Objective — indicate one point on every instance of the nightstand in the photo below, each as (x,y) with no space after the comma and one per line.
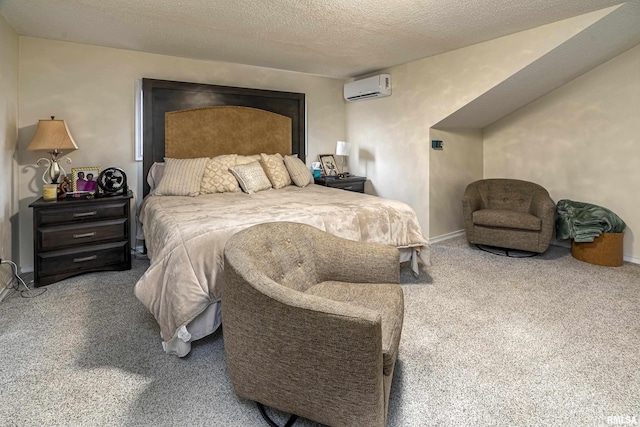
(352,183)
(71,237)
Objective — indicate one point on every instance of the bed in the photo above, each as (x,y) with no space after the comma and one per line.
(185,235)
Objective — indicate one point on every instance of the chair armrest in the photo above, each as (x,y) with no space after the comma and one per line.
(543,207)
(471,202)
(356,262)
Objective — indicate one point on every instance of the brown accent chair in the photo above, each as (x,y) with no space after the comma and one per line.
(508,213)
(312,322)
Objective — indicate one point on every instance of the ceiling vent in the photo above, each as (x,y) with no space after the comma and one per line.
(371,87)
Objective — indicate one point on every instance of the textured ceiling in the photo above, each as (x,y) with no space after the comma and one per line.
(338,38)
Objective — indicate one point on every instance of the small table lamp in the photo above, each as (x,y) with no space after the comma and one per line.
(52,136)
(342,149)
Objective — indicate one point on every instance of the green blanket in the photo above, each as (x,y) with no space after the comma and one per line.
(583,222)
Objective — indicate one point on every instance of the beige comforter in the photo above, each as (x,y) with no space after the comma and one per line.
(185,238)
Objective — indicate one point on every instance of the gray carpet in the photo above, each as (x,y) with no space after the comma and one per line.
(487,341)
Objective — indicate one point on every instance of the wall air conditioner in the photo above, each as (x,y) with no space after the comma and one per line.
(371,87)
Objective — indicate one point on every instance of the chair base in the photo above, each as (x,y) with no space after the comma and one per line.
(271,423)
(511,253)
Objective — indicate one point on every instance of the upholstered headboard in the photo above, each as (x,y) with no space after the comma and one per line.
(212,131)
(177,121)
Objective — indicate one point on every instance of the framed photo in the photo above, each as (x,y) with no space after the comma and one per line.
(84,179)
(329,165)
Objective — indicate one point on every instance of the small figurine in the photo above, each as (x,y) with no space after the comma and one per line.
(64,188)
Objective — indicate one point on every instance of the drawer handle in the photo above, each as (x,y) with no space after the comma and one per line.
(80,236)
(83,214)
(87,258)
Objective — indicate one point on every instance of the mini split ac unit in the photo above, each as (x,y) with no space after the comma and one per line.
(371,87)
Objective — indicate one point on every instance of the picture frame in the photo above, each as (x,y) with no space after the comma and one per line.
(329,165)
(84,179)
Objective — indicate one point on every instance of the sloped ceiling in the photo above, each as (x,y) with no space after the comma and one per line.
(610,36)
(337,38)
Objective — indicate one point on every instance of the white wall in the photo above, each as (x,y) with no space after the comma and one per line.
(580,142)
(8,139)
(92,89)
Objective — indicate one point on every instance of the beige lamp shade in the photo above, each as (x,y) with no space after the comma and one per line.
(52,135)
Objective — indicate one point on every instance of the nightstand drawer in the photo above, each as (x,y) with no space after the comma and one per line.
(350,183)
(63,236)
(350,186)
(84,212)
(83,259)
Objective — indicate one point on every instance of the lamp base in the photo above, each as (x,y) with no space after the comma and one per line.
(54,173)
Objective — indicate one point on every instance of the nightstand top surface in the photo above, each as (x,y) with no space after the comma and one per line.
(41,203)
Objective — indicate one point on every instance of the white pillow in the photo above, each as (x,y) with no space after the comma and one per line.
(251,177)
(300,174)
(181,177)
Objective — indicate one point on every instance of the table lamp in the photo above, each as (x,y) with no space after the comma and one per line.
(52,136)
(342,149)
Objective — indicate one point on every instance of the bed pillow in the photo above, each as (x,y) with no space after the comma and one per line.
(181,177)
(300,174)
(251,177)
(243,160)
(155,175)
(217,178)
(275,170)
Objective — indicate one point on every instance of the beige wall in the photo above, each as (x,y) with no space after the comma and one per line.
(92,88)
(452,169)
(390,136)
(581,142)
(8,140)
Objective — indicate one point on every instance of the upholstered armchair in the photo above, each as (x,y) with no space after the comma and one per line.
(508,213)
(312,322)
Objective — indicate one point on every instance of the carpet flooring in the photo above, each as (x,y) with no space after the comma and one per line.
(487,341)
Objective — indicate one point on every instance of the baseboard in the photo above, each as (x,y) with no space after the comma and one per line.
(26,269)
(5,292)
(447,236)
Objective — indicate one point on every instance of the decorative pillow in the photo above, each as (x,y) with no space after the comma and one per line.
(275,169)
(243,160)
(155,175)
(300,174)
(251,177)
(181,177)
(217,178)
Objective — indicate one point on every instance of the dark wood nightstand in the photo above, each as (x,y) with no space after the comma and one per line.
(352,183)
(71,237)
